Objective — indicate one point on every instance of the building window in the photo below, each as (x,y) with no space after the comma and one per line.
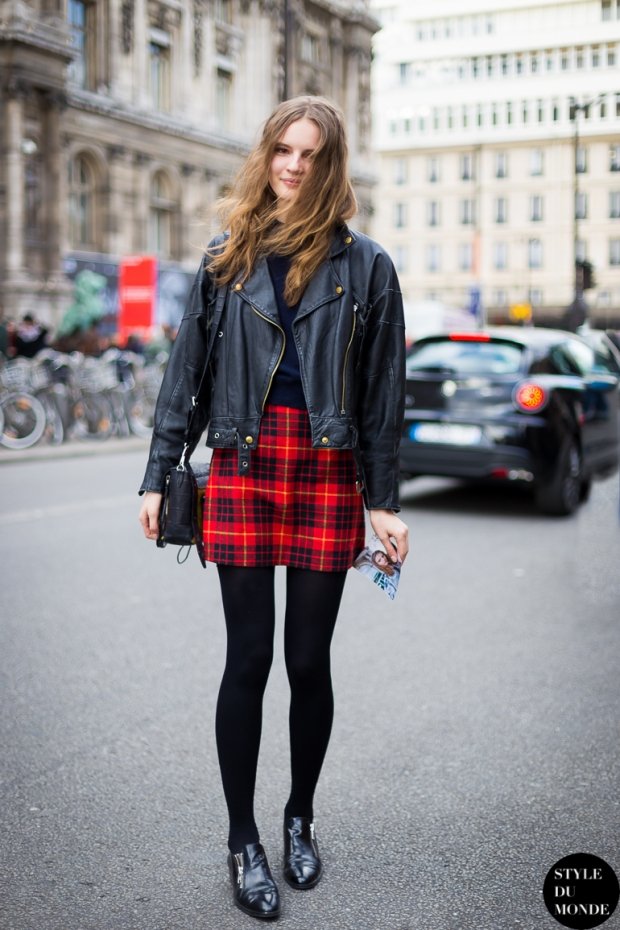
(534,296)
(549,60)
(161,216)
(400,258)
(403,72)
(614,158)
(564,59)
(500,255)
(503,65)
(479,115)
(311,49)
(223,11)
(534,253)
(579,57)
(467,212)
(534,62)
(581,206)
(614,252)
(537,162)
(433,216)
(614,205)
(465,256)
(223,97)
(83,204)
(400,171)
(581,160)
(581,250)
(501,210)
(400,215)
(34,220)
(536,208)
(432,168)
(83,40)
(525,112)
(509,113)
(159,60)
(555,111)
(611,56)
(500,298)
(596,56)
(540,111)
(467,167)
(610,9)
(433,257)
(501,164)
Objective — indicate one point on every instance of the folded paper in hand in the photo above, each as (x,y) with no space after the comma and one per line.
(375,564)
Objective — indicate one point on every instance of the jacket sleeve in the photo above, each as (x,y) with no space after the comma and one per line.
(381,395)
(180,384)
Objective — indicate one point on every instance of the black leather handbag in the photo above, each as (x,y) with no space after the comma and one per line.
(180,514)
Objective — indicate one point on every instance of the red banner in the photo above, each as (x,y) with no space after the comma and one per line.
(137,290)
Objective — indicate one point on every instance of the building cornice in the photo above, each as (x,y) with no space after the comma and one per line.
(47,33)
(161,123)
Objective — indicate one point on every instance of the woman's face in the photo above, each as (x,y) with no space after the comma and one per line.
(381,559)
(292,158)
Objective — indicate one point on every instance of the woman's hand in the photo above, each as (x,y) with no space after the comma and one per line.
(149,514)
(392,532)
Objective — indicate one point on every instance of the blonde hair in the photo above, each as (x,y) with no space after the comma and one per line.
(325,200)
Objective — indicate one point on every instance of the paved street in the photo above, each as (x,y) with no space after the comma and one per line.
(476,739)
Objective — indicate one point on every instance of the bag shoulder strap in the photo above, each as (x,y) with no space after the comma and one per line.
(218,312)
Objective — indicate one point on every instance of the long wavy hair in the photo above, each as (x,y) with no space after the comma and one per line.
(325,199)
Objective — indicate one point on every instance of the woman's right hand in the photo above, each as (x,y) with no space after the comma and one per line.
(149,514)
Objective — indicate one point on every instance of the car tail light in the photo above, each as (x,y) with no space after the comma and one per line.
(470,337)
(530,397)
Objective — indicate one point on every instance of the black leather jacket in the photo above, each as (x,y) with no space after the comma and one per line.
(350,337)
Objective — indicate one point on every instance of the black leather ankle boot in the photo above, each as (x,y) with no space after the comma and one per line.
(302,863)
(254,889)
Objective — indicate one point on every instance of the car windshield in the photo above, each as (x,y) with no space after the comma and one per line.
(466,357)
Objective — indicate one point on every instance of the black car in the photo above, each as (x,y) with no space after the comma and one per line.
(538,407)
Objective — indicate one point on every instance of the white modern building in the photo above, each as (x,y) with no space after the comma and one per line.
(485,188)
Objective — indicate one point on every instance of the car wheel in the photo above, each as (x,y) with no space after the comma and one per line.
(562,494)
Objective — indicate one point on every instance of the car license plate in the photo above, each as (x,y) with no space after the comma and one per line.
(455,434)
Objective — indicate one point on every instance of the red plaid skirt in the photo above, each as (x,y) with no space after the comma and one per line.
(298,505)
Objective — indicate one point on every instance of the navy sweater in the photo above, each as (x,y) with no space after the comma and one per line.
(286,389)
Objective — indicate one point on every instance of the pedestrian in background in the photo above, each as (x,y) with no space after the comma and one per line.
(303,407)
(30,336)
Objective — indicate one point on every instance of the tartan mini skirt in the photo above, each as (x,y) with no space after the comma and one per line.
(298,506)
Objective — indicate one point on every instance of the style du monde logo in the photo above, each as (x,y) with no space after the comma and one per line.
(581,891)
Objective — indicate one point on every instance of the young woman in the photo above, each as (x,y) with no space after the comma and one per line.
(303,407)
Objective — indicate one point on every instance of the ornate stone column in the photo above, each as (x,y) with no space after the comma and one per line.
(141,203)
(55,175)
(14,174)
(114,206)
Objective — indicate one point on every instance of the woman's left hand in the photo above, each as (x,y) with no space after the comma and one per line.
(392,532)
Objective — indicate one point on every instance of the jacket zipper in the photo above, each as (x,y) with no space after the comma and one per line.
(277,365)
(346,359)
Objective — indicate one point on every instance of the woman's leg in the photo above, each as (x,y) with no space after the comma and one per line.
(312,603)
(249,609)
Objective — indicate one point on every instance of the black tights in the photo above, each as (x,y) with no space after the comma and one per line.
(312,602)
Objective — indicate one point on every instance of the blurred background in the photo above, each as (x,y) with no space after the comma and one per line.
(485,147)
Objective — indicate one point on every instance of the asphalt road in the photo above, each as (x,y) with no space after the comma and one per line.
(476,739)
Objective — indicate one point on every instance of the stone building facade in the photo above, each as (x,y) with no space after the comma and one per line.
(122,121)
